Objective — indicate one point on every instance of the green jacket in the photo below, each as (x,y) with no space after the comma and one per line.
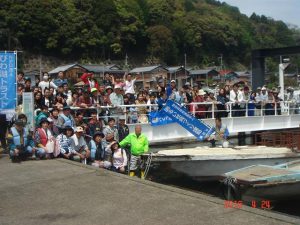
(138,145)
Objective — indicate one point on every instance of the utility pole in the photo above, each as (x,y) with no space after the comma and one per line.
(126,62)
(221,61)
(185,66)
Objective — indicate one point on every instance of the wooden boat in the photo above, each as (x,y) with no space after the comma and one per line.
(263,182)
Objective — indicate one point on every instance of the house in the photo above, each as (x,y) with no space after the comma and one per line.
(228,77)
(179,74)
(147,76)
(100,70)
(71,71)
(202,76)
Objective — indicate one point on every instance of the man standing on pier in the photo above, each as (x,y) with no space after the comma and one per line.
(138,145)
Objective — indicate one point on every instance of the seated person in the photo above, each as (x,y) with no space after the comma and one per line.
(79,145)
(119,157)
(44,139)
(64,143)
(98,151)
(218,133)
(20,143)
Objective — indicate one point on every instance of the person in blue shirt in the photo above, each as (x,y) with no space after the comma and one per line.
(60,81)
(218,133)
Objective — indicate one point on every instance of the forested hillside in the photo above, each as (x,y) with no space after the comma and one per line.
(148,30)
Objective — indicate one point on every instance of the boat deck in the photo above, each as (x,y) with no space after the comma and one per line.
(258,172)
(219,153)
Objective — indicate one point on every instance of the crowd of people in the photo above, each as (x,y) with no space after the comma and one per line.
(88,124)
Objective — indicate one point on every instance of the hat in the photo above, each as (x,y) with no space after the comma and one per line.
(79,129)
(187,83)
(117,86)
(258,88)
(66,107)
(122,117)
(108,87)
(195,85)
(19,122)
(173,81)
(68,128)
(201,92)
(43,120)
(99,134)
(264,89)
(94,89)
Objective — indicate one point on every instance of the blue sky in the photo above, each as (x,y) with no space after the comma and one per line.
(285,10)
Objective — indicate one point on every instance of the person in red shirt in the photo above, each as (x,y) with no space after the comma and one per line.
(89,81)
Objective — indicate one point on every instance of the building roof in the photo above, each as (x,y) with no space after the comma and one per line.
(243,73)
(174,69)
(64,68)
(146,69)
(103,68)
(202,72)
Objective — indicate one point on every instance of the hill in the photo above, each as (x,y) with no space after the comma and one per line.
(149,31)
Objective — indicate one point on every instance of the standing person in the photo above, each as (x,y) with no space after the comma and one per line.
(78,143)
(138,145)
(65,118)
(116,99)
(46,83)
(95,125)
(20,79)
(60,79)
(107,80)
(119,158)
(234,93)
(111,129)
(54,118)
(218,133)
(47,100)
(20,143)
(129,86)
(27,87)
(123,129)
(221,106)
(89,80)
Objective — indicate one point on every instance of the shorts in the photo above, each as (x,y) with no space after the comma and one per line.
(136,162)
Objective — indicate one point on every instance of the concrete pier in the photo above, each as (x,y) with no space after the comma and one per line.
(65,192)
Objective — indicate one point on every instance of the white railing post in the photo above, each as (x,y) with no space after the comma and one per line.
(213,110)
(246,109)
(275,108)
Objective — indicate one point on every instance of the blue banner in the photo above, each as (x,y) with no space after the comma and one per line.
(159,118)
(7,80)
(181,116)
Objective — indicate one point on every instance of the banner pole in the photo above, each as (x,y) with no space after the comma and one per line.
(16,83)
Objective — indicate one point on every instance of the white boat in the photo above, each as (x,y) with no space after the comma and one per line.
(204,163)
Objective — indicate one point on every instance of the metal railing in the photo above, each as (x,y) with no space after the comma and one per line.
(230,109)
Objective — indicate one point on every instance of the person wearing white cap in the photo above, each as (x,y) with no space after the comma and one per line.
(79,145)
(116,99)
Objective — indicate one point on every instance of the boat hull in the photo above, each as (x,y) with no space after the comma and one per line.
(212,169)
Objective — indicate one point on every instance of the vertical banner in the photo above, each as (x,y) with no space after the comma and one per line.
(181,116)
(8,70)
(28,109)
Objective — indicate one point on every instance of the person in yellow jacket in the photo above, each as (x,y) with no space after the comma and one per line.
(138,145)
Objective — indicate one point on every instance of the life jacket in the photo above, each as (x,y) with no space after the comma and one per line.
(68,121)
(16,136)
(43,136)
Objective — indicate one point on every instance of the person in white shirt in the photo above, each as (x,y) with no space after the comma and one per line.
(233,96)
(119,157)
(129,86)
(46,83)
